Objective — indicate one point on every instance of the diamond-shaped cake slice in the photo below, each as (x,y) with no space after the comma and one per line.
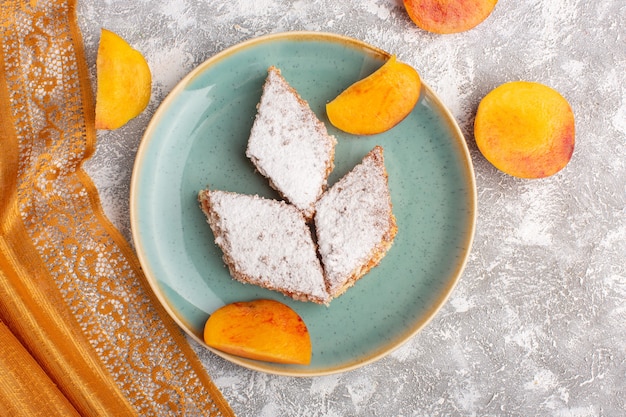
(289,145)
(265,242)
(354,223)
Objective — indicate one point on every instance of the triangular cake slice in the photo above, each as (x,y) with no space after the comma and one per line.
(289,145)
(265,242)
(354,223)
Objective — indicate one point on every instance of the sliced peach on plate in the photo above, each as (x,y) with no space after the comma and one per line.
(124,82)
(264,330)
(448,16)
(525,129)
(378,102)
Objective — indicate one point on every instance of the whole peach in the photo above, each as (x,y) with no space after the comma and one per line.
(448,16)
(525,129)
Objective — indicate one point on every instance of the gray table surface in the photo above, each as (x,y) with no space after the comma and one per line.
(537,323)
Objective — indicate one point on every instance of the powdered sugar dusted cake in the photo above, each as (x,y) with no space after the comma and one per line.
(289,145)
(354,223)
(265,242)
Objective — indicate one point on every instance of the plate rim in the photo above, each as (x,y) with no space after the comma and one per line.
(262,366)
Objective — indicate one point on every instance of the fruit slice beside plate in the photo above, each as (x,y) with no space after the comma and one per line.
(197,138)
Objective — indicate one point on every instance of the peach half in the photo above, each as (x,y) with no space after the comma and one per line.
(448,16)
(525,129)
(124,82)
(378,102)
(264,330)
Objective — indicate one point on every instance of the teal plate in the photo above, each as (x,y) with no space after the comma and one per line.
(197,138)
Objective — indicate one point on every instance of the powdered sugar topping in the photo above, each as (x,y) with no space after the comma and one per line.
(352,219)
(289,145)
(268,241)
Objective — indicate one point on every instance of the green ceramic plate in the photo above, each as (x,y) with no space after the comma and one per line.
(198,138)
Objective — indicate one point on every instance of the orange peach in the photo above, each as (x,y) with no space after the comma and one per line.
(525,129)
(448,16)
(264,330)
(378,102)
(124,82)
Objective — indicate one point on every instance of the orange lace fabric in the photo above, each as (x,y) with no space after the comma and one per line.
(80,330)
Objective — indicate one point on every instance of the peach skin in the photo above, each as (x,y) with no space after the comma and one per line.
(448,16)
(525,129)
(264,330)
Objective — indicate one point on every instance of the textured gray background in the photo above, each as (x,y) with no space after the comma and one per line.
(537,324)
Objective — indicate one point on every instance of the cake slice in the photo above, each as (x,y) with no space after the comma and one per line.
(265,242)
(354,223)
(289,145)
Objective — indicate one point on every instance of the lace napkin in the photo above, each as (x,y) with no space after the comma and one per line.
(81,333)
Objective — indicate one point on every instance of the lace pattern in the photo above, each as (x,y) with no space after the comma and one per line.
(92,267)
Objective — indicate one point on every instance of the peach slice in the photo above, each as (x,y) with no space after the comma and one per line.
(448,16)
(525,129)
(378,102)
(264,330)
(124,82)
